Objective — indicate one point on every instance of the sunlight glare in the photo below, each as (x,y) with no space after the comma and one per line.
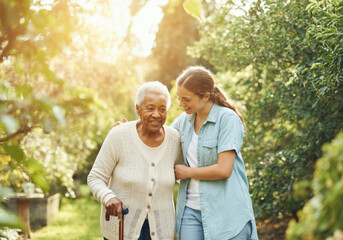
(145,26)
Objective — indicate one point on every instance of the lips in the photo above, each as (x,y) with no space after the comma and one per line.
(155,122)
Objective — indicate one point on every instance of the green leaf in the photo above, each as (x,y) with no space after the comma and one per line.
(33,166)
(15,152)
(41,181)
(10,124)
(194,8)
(8,219)
(59,115)
(37,172)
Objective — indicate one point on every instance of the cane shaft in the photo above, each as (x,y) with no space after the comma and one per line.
(121,228)
(121,222)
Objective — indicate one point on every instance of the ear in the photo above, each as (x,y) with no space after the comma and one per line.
(138,110)
(207,96)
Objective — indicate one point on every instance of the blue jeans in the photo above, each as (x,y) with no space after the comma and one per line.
(145,231)
(191,225)
(192,229)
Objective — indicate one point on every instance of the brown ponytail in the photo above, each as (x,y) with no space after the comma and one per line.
(199,80)
(220,99)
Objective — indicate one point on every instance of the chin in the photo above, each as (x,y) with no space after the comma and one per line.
(155,128)
(189,111)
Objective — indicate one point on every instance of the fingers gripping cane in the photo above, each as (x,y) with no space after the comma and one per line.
(121,222)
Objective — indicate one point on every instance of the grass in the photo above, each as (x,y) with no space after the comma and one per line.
(77,219)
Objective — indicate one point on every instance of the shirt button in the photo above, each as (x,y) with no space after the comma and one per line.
(153,180)
(152,234)
(148,207)
(150,194)
(153,164)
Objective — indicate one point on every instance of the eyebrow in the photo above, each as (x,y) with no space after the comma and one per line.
(186,97)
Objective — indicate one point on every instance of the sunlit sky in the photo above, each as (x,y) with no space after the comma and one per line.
(145,23)
(114,26)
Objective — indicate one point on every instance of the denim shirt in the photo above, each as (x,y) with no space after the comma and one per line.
(225,204)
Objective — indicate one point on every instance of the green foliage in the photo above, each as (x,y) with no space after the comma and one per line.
(194,8)
(34,99)
(7,219)
(281,61)
(16,165)
(321,217)
(325,33)
(35,30)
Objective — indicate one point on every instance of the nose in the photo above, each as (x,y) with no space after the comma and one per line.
(180,103)
(155,113)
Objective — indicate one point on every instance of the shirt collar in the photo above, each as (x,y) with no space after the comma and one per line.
(212,117)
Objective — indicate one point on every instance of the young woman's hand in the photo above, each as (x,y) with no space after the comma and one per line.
(181,171)
(119,122)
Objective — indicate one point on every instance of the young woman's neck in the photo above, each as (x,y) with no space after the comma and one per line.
(205,111)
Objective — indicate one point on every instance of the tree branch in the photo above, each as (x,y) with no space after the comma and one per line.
(23,130)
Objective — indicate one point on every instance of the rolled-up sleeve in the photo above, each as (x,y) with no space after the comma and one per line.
(231,133)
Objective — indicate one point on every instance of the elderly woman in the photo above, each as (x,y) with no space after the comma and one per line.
(135,169)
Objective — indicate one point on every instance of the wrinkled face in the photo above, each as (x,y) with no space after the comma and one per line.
(190,102)
(153,111)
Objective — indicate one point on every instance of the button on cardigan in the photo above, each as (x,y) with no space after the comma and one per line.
(123,169)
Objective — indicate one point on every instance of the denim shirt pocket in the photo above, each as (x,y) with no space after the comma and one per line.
(209,152)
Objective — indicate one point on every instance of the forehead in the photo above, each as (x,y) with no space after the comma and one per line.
(152,98)
(183,92)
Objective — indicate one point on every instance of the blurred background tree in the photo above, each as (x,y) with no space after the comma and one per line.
(69,70)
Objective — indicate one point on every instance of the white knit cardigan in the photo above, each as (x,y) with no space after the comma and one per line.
(144,185)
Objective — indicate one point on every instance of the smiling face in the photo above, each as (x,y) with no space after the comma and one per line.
(152,111)
(191,102)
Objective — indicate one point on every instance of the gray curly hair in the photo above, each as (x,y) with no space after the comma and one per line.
(152,87)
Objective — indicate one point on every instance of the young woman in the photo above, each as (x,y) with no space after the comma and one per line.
(213,199)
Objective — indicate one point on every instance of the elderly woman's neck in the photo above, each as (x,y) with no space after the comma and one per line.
(150,138)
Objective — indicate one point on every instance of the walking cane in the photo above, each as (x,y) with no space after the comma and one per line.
(121,222)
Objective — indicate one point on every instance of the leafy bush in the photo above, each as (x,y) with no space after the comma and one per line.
(283,62)
(322,217)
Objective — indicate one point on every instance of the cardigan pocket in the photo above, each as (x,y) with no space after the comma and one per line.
(208,153)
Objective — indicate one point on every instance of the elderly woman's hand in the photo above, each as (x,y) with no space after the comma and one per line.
(114,207)
(181,172)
